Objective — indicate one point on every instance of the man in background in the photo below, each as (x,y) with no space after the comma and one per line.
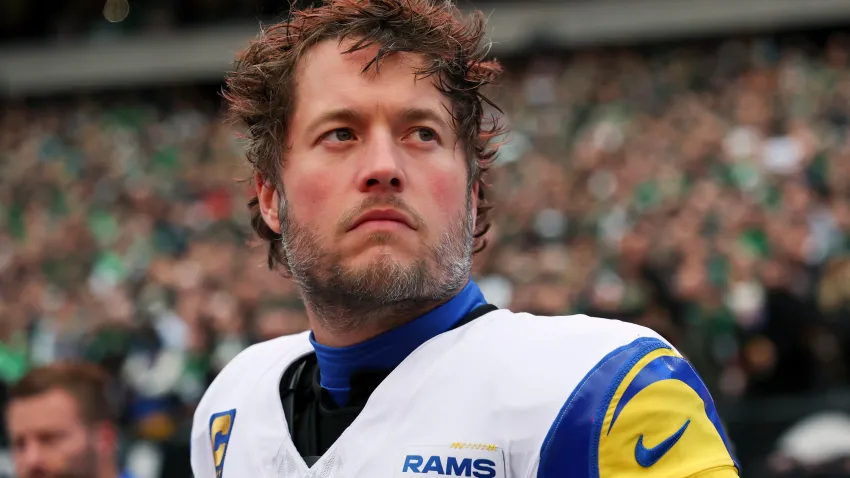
(61,423)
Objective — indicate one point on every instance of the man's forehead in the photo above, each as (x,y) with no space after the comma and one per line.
(54,402)
(331,79)
(334,53)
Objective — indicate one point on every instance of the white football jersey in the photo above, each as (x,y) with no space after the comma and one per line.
(507,395)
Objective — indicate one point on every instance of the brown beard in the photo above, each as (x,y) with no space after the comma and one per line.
(385,293)
(83,465)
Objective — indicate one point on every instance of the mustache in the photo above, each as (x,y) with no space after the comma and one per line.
(372,202)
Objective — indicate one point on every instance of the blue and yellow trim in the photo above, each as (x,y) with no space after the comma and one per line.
(642,411)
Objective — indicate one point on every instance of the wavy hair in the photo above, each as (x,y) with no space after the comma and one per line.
(260,92)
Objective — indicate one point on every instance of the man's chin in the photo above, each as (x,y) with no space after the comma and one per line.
(384,256)
(45,474)
(378,270)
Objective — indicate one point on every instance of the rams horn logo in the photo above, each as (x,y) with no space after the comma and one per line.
(641,412)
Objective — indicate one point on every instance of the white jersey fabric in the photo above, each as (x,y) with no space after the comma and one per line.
(476,401)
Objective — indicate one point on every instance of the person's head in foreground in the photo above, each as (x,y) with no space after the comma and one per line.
(61,423)
(369,140)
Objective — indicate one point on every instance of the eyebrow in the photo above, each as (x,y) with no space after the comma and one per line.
(342,115)
(348,115)
(415,115)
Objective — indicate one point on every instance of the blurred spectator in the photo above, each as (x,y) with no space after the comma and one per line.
(62,423)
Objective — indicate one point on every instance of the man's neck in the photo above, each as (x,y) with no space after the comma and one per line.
(341,325)
(359,329)
(382,349)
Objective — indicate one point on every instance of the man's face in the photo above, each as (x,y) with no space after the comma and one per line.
(48,438)
(377,211)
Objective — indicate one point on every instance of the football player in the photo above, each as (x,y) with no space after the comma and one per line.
(369,140)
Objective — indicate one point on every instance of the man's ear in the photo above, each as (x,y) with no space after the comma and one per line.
(269,202)
(105,438)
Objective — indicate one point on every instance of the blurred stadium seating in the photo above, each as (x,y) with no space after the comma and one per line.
(700,187)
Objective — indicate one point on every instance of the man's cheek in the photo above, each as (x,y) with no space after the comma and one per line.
(307,201)
(447,196)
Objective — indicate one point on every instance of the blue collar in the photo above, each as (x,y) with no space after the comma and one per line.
(386,351)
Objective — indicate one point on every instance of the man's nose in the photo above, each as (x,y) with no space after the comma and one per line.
(29,458)
(382,167)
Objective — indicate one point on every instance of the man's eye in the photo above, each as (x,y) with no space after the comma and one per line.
(340,135)
(19,444)
(425,134)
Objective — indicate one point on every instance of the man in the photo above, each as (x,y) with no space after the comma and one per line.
(367,135)
(61,423)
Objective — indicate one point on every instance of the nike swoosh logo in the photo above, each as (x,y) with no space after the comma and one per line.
(647,457)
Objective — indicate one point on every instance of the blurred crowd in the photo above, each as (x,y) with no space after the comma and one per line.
(701,190)
(125,242)
(58,20)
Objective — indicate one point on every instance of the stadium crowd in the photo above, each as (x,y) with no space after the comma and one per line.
(703,191)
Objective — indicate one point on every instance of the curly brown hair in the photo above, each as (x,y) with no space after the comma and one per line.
(260,91)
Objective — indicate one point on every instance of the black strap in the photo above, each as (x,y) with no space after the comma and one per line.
(289,388)
(475,314)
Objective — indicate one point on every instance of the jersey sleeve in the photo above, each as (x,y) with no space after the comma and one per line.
(642,411)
